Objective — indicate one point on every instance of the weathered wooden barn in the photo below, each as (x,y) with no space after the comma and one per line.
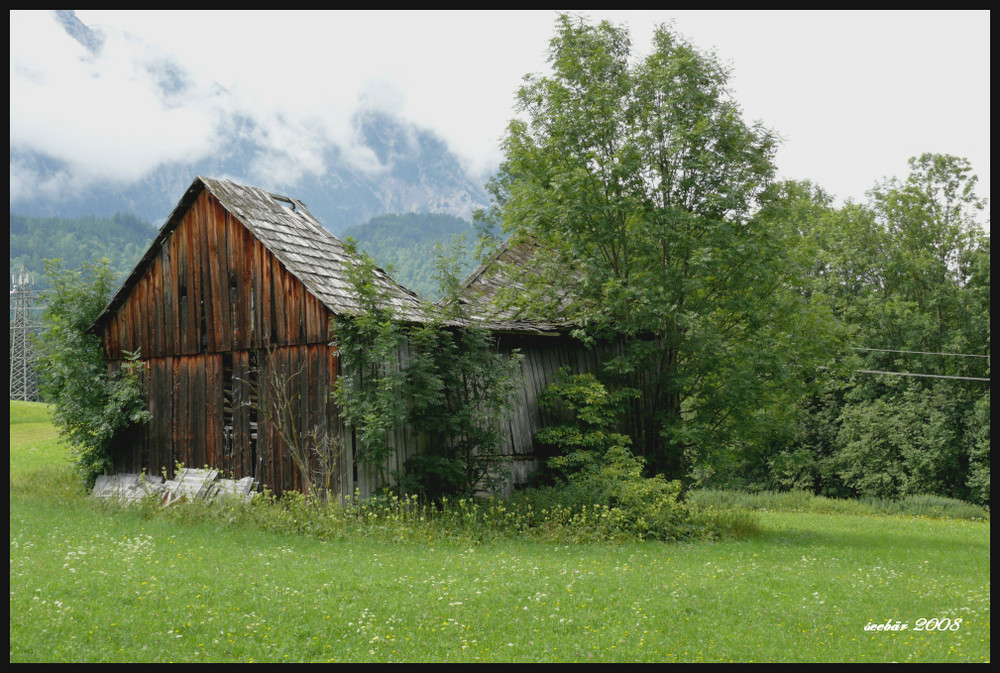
(240,280)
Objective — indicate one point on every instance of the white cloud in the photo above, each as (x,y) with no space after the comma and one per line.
(102,114)
(854,94)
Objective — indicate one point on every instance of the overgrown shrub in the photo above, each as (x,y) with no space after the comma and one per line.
(444,379)
(592,416)
(634,505)
(90,403)
(595,472)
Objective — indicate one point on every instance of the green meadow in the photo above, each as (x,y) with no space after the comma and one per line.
(91,581)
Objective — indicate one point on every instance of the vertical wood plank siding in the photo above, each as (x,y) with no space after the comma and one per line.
(214,291)
(214,288)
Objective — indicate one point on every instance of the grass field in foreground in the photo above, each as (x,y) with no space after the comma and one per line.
(93,583)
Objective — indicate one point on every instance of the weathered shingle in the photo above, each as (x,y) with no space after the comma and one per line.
(310,252)
(507,269)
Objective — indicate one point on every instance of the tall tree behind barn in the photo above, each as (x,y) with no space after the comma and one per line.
(234,273)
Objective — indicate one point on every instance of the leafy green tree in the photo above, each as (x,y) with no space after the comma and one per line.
(644,180)
(908,275)
(90,403)
(907,442)
(589,432)
(368,389)
(979,452)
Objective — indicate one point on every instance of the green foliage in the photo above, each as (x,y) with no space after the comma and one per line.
(630,504)
(902,444)
(908,275)
(461,393)
(444,379)
(734,298)
(368,390)
(589,434)
(979,452)
(595,469)
(90,404)
(645,181)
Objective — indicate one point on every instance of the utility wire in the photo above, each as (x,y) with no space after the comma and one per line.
(887,350)
(929,376)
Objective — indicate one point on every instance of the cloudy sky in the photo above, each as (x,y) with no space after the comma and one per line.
(853,94)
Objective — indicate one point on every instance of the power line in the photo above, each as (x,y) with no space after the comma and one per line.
(887,350)
(928,376)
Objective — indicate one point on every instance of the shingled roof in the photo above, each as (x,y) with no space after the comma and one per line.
(317,258)
(511,267)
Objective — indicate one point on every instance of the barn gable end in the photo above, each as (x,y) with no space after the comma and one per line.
(211,287)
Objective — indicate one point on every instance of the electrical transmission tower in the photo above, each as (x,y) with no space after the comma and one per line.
(23,381)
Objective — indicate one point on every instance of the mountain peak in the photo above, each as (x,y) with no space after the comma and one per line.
(78,30)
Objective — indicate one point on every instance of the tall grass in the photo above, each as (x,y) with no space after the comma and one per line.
(799,501)
(97,582)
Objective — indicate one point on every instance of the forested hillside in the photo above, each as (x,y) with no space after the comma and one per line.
(404,242)
(121,238)
(407,244)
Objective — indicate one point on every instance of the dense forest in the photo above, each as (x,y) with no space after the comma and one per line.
(905,409)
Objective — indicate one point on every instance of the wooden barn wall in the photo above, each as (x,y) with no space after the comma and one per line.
(542,358)
(214,288)
(307,373)
(211,306)
(209,410)
(205,413)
